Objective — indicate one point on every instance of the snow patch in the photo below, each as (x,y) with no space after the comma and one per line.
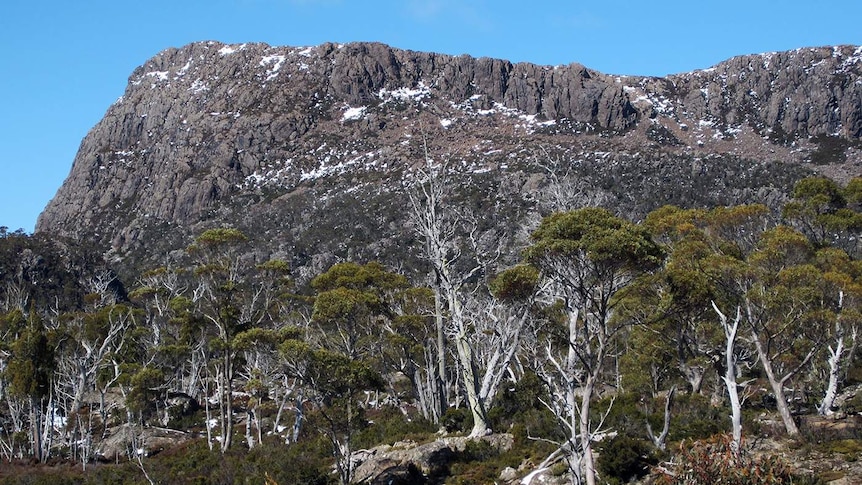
(353,114)
(229,49)
(198,87)
(159,75)
(273,64)
(183,70)
(405,94)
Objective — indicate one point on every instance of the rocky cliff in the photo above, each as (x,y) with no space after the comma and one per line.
(307,149)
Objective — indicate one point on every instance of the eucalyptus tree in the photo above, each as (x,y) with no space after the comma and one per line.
(827,213)
(588,257)
(444,230)
(89,344)
(409,348)
(333,383)
(781,309)
(218,297)
(354,307)
(672,307)
(175,330)
(30,376)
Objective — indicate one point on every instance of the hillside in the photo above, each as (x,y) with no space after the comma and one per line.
(358,264)
(289,144)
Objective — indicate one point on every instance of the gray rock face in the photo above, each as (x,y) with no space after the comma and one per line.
(308,148)
(407,462)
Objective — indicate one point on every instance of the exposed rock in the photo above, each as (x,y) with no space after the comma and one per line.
(416,462)
(308,148)
(125,440)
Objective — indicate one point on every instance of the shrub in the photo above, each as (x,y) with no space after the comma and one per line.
(623,459)
(518,409)
(457,420)
(712,461)
(389,425)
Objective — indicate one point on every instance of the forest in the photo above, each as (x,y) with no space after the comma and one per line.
(610,351)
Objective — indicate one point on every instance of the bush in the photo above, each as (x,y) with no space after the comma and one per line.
(623,459)
(457,420)
(389,425)
(518,409)
(712,461)
(695,418)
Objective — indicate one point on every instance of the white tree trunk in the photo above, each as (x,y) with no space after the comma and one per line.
(730,333)
(834,362)
(777,386)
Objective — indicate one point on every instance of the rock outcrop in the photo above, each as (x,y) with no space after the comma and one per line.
(309,148)
(408,462)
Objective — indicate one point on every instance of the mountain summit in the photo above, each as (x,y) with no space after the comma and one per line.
(308,149)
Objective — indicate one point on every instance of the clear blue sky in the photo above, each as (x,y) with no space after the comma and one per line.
(65,61)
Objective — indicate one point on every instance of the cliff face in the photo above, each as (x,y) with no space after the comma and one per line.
(305,145)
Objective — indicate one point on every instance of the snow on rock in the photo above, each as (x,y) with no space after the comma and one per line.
(273,63)
(229,49)
(198,86)
(353,114)
(420,92)
(159,75)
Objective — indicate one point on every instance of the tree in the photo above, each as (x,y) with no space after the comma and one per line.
(220,294)
(827,213)
(731,332)
(779,300)
(588,258)
(333,383)
(841,291)
(439,227)
(354,306)
(30,373)
(89,344)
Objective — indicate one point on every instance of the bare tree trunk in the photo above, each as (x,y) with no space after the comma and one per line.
(586,432)
(441,378)
(694,376)
(297,422)
(226,405)
(471,386)
(777,386)
(834,362)
(660,440)
(730,333)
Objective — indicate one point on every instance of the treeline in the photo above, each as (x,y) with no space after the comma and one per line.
(609,333)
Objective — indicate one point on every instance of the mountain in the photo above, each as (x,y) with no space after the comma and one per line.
(309,150)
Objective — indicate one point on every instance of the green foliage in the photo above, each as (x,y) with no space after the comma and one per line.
(821,192)
(372,276)
(623,459)
(518,408)
(145,384)
(389,425)
(30,368)
(480,462)
(222,236)
(695,418)
(609,241)
(827,213)
(352,305)
(457,420)
(515,284)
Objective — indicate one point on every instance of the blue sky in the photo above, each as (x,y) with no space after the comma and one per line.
(64,62)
